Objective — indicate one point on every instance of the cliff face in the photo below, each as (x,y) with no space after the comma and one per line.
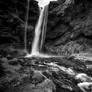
(69,24)
(13,17)
(71,29)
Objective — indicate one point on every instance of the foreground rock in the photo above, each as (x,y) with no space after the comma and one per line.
(56,74)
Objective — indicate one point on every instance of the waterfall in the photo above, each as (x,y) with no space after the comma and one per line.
(26,25)
(44,27)
(35,46)
(40,30)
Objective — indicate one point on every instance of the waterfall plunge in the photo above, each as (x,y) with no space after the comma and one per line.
(35,46)
(43,6)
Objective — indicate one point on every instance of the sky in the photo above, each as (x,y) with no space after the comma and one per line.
(43,3)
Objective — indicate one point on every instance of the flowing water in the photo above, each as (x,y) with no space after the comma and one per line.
(35,46)
(44,27)
(26,25)
(40,30)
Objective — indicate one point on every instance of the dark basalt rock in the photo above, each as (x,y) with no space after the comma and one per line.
(22,74)
(74,25)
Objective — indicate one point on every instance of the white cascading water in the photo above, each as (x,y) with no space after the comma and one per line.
(35,46)
(43,6)
(44,27)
